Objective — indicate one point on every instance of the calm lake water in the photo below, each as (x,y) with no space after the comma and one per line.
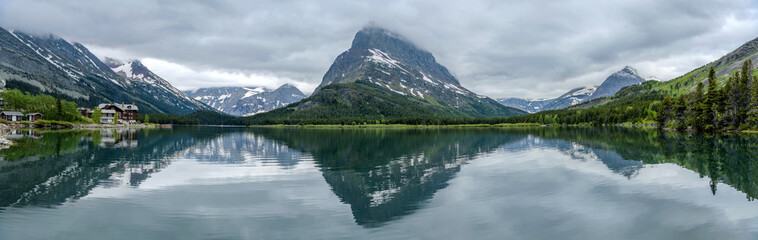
(246,183)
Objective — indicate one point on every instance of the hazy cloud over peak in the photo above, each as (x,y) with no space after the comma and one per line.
(496,48)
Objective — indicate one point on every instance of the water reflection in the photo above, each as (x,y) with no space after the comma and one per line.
(383,175)
(116,138)
(386,174)
(65,165)
(731,159)
(240,146)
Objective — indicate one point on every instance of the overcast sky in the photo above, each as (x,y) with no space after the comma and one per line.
(527,49)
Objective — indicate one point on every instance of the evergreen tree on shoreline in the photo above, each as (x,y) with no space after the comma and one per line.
(731,107)
(709,113)
(697,109)
(59,108)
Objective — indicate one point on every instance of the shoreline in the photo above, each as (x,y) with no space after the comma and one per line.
(108,126)
(395,126)
(483,126)
(7,127)
(408,126)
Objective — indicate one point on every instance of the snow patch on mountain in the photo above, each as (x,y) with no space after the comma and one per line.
(383,58)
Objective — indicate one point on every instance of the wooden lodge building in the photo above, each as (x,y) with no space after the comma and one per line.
(125,112)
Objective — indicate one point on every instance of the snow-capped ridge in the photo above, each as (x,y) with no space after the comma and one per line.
(68,67)
(247,101)
(627,76)
(135,71)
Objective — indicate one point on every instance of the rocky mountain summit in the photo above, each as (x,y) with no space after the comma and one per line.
(626,77)
(385,75)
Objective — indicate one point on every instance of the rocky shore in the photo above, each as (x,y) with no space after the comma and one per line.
(4,130)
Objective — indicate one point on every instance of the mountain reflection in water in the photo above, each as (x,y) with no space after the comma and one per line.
(382,174)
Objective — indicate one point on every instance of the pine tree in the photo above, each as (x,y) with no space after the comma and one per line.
(743,97)
(680,111)
(721,104)
(697,109)
(59,107)
(730,100)
(753,108)
(665,111)
(710,119)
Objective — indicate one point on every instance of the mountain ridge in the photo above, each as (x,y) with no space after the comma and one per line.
(48,64)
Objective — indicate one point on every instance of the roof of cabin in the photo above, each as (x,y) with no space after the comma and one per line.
(12,113)
(122,107)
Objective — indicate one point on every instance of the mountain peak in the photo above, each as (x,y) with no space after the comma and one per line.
(375,29)
(375,36)
(289,88)
(626,77)
(377,54)
(627,72)
(630,70)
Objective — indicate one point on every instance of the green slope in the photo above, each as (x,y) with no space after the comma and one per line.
(724,66)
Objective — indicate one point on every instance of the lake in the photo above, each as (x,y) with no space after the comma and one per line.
(259,183)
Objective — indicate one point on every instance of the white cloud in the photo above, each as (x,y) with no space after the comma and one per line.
(187,78)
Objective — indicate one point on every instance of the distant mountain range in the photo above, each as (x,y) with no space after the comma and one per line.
(612,84)
(51,65)
(383,75)
(528,105)
(246,101)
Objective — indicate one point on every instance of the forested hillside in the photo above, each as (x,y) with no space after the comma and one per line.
(733,106)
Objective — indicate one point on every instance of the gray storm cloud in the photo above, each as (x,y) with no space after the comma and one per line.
(496,48)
